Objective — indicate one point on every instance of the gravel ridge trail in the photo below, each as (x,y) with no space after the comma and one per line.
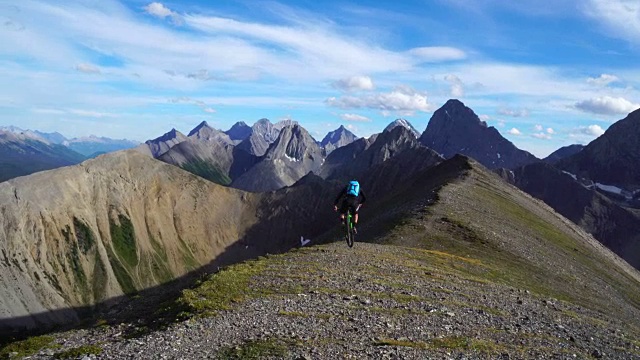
(371,302)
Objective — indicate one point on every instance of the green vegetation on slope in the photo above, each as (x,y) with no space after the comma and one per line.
(207,170)
(124,240)
(85,237)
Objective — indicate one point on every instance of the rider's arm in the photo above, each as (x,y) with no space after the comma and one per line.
(363,198)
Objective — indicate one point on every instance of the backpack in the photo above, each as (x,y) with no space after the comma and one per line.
(354,188)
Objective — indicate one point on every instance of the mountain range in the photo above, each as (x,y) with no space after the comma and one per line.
(77,241)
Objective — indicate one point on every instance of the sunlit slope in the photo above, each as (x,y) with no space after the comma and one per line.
(461,208)
(109,226)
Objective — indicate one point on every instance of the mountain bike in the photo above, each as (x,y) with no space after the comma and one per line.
(350,234)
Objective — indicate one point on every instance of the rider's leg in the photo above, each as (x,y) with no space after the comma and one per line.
(355,219)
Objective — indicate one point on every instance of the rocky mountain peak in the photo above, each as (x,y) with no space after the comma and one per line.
(202,127)
(263,134)
(337,138)
(403,123)
(282,123)
(455,128)
(162,144)
(294,143)
(239,131)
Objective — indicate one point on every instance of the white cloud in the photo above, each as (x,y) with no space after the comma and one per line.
(484,117)
(457,87)
(603,80)
(591,130)
(541,135)
(354,83)
(76,112)
(90,113)
(550,131)
(355,117)
(619,17)
(187,100)
(513,112)
(437,54)
(158,9)
(515,132)
(87,68)
(607,105)
(538,127)
(403,100)
(161,11)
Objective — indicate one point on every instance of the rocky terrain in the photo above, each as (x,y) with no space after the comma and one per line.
(461,266)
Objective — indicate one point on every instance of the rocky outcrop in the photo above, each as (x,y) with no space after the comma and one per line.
(263,134)
(361,156)
(456,129)
(294,154)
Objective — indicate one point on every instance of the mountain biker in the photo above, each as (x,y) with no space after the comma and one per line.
(352,197)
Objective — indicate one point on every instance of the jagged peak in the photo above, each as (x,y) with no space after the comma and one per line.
(402,123)
(201,126)
(262,122)
(170,135)
(338,134)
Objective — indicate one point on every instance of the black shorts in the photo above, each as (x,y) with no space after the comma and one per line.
(349,202)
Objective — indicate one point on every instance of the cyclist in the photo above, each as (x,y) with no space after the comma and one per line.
(352,197)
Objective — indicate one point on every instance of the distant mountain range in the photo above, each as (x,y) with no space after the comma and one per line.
(89,146)
(24,154)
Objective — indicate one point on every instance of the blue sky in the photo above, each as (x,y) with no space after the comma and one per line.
(545,75)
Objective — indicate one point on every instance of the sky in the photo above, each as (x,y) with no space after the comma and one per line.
(544,73)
